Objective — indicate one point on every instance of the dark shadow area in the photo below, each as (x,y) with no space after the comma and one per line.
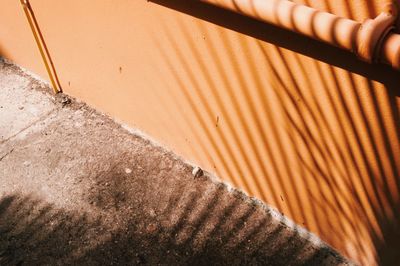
(389,251)
(287,39)
(33,232)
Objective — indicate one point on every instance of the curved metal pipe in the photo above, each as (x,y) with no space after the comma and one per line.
(373,41)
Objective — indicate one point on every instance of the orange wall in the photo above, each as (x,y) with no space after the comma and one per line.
(301,125)
(16,40)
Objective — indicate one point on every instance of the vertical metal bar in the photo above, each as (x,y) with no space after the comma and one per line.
(41,45)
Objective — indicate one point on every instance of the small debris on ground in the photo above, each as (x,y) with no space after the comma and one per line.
(152,213)
(128,170)
(197,172)
(151,228)
(62,98)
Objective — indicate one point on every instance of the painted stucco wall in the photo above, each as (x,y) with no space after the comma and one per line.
(301,125)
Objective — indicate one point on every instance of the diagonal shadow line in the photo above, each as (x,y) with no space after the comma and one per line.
(239,225)
(287,253)
(304,123)
(271,241)
(239,105)
(200,119)
(347,144)
(321,219)
(291,134)
(381,197)
(393,168)
(227,116)
(391,88)
(262,226)
(325,153)
(267,112)
(205,213)
(291,174)
(226,214)
(359,181)
(190,205)
(238,108)
(327,177)
(328,204)
(333,204)
(358,138)
(343,161)
(379,183)
(188,121)
(348,117)
(195,82)
(365,182)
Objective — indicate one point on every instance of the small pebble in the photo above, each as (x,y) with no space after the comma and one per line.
(151,228)
(65,100)
(128,171)
(197,172)
(35,86)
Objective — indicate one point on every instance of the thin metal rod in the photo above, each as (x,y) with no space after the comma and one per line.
(44,52)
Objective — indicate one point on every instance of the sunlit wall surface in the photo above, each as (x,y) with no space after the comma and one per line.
(303,126)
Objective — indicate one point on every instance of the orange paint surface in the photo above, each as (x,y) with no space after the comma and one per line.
(301,125)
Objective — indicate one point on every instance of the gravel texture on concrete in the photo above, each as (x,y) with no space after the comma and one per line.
(76,188)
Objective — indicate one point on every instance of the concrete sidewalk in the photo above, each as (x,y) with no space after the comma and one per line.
(78,189)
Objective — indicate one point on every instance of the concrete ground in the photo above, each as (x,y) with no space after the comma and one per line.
(78,189)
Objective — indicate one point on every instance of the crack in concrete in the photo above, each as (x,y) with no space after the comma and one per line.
(40,119)
(6,154)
